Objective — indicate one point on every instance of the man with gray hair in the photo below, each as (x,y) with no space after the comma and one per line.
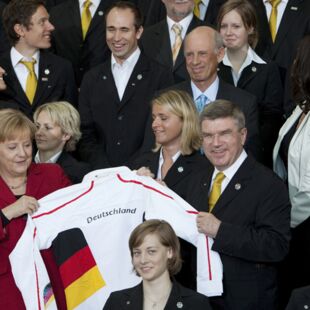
(204,50)
(245,207)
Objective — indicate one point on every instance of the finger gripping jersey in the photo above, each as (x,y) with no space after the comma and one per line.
(88,226)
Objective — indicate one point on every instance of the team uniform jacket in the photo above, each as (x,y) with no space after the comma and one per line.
(105,208)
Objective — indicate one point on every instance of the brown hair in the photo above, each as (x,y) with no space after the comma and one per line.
(166,236)
(19,12)
(14,123)
(222,109)
(300,74)
(247,13)
(126,5)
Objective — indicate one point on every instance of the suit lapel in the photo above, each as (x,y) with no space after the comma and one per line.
(236,185)
(137,77)
(97,20)
(13,86)
(290,16)
(75,15)
(162,44)
(248,74)
(225,73)
(134,298)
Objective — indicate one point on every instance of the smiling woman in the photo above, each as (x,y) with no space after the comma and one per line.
(155,252)
(21,184)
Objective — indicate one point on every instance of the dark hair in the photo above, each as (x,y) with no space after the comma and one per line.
(166,236)
(19,12)
(300,75)
(247,13)
(223,109)
(124,5)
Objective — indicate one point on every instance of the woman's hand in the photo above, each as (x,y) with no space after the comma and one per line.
(145,171)
(2,83)
(24,205)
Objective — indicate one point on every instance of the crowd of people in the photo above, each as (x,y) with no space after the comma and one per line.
(209,98)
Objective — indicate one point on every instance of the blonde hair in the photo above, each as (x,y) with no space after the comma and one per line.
(14,123)
(66,117)
(181,104)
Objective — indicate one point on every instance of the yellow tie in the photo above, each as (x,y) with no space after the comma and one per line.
(31,83)
(273,18)
(216,190)
(86,17)
(196,8)
(178,41)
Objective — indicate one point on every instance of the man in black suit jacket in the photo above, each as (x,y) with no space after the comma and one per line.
(294,25)
(157,40)
(68,38)
(249,217)
(203,50)
(114,98)
(30,38)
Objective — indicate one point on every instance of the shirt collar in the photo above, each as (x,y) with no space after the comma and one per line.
(52,160)
(231,171)
(284,1)
(16,57)
(94,2)
(132,59)
(174,157)
(183,22)
(210,92)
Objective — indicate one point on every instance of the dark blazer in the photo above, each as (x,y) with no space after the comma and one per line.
(153,11)
(300,299)
(155,42)
(68,41)
(180,298)
(248,105)
(254,234)
(212,11)
(177,176)
(295,24)
(55,82)
(4,43)
(42,179)
(75,170)
(113,129)
(264,82)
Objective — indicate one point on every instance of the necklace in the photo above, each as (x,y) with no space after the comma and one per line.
(161,302)
(18,186)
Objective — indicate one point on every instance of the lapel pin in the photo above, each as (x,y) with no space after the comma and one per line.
(179,305)
(237,186)
(104,77)
(180,169)
(49,86)
(44,79)
(46,71)
(133,84)
(128,302)
(139,76)
(294,8)
(100,13)
(254,69)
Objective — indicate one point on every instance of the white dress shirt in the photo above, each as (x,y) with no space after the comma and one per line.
(92,8)
(51,160)
(281,8)
(122,72)
(203,7)
(210,92)
(251,56)
(161,161)
(230,171)
(20,70)
(184,23)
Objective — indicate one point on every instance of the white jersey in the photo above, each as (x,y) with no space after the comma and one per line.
(105,208)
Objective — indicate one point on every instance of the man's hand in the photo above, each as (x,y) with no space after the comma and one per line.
(207,224)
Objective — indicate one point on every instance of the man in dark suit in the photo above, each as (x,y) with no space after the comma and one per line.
(68,42)
(203,50)
(114,98)
(245,207)
(51,77)
(158,41)
(293,23)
